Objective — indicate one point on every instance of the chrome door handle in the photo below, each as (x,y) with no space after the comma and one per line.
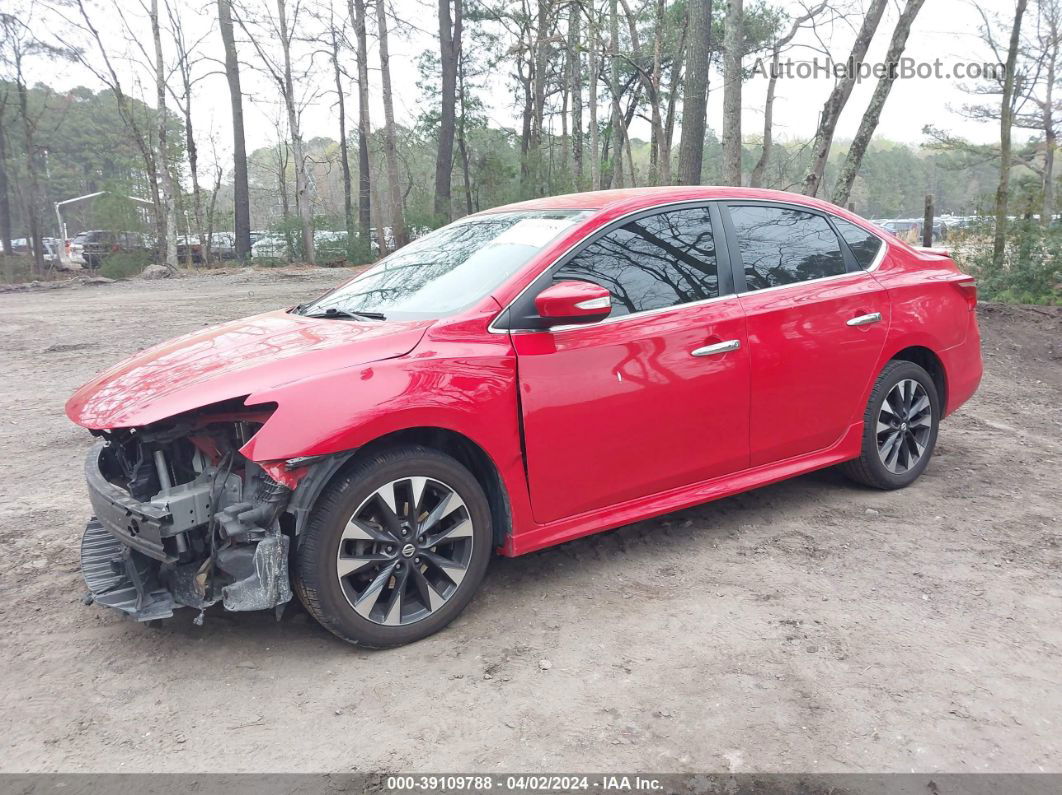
(865,320)
(719,347)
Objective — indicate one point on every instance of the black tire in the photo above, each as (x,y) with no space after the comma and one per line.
(870,469)
(316,577)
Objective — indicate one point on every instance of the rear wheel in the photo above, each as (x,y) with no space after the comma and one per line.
(899,428)
(395,548)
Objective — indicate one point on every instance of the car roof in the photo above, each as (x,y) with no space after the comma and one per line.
(635,198)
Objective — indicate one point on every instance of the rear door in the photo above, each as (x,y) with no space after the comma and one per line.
(654,397)
(817,322)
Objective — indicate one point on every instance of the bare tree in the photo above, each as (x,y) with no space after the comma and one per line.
(618,127)
(166,180)
(869,123)
(733,49)
(449,59)
(281,27)
(357,17)
(575,83)
(1042,50)
(756,177)
(19,45)
(5,200)
(594,76)
(240,191)
(106,73)
(398,221)
(1006,120)
(335,38)
(831,111)
(695,97)
(187,57)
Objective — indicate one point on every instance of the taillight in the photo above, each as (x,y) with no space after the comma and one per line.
(969,289)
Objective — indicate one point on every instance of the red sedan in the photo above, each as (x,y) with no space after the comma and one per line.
(517,379)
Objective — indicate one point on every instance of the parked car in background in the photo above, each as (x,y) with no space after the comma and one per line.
(516,379)
(92,247)
(21,245)
(222,247)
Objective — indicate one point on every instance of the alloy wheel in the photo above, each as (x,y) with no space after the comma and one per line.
(405,551)
(905,423)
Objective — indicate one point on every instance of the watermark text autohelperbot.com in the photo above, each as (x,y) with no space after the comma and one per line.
(904,69)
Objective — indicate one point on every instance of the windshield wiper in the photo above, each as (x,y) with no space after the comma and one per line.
(344,313)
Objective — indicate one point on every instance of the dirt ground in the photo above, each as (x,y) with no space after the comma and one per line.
(811,626)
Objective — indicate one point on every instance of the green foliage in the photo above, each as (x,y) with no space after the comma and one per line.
(1032,265)
(123,264)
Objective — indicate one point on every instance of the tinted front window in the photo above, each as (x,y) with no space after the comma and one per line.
(657,261)
(864,245)
(780,245)
(450,268)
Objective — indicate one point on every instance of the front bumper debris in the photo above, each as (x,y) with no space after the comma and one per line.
(216,538)
(120,577)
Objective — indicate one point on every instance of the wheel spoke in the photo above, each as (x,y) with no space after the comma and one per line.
(393,609)
(451,568)
(417,487)
(368,598)
(887,405)
(460,529)
(428,595)
(920,405)
(440,511)
(352,564)
(359,530)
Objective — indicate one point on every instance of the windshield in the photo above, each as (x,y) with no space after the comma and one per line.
(450,268)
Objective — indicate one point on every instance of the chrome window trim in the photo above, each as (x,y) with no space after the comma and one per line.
(664,207)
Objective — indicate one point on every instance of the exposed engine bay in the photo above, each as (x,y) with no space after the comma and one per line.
(182,518)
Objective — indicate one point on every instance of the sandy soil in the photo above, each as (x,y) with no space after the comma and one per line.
(811,626)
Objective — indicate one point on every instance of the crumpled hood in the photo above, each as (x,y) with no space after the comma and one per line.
(233,360)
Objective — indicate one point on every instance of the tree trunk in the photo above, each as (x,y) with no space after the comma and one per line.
(1006,120)
(661,165)
(831,111)
(5,195)
(575,77)
(539,94)
(240,192)
(758,170)
(344,149)
(32,200)
(675,85)
(733,46)
(613,87)
(357,16)
(167,241)
(462,132)
(1047,209)
(398,221)
(843,189)
(695,99)
(449,57)
(303,199)
(595,144)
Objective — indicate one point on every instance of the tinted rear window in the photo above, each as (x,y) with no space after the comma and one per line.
(783,245)
(864,245)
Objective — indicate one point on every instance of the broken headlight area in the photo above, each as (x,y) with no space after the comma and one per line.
(183,519)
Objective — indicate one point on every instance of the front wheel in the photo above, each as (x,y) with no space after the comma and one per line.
(395,548)
(899,428)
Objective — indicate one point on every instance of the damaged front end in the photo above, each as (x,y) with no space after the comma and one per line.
(183,519)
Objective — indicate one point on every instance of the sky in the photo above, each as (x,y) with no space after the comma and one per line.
(945,30)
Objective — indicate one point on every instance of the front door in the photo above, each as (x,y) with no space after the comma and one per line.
(653,398)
